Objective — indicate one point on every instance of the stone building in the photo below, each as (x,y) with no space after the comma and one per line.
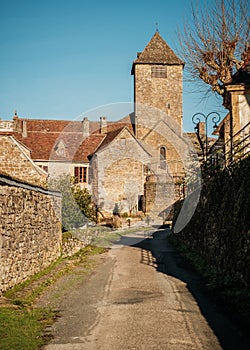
(132,164)
(15,160)
(158,83)
(234,129)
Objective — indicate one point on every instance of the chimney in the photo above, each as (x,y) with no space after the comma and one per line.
(103,125)
(201,129)
(85,127)
(24,128)
(16,122)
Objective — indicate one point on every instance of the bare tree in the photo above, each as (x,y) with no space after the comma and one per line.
(215,44)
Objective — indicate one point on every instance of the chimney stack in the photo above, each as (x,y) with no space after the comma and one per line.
(103,125)
(24,128)
(201,129)
(85,127)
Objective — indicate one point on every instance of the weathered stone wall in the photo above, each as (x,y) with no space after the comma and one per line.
(164,94)
(128,185)
(219,231)
(30,231)
(158,115)
(6,125)
(15,160)
(159,199)
(150,193)
(174,162)
(72,245)
(118,175)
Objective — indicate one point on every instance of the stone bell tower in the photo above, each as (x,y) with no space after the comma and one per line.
(157,82)
(158,123)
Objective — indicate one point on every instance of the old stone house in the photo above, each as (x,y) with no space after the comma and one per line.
(234,129)
(15,161)
(134,163)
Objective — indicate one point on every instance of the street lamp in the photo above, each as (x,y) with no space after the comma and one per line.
(196,119)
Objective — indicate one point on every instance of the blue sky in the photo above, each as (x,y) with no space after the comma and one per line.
(61,58)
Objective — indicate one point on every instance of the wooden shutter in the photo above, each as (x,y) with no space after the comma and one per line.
(76,172)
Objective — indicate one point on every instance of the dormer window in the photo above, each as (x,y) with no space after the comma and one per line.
(158,71)
(60,149)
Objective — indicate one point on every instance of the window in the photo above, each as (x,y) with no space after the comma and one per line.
(158,71)
(44,167)
(80,173)
(123,142)
(163,157)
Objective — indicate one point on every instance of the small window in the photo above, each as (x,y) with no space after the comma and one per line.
(123,142)
(159,72)
(163,157)
(44,167)
(80,173)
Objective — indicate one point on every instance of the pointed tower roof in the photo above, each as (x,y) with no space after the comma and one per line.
(157,51)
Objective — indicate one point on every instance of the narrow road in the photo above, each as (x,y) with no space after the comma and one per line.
(141,296)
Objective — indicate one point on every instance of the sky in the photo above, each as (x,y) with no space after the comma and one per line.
(60,59)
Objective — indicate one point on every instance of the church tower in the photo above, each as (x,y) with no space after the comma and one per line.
(158,83)
(158,123)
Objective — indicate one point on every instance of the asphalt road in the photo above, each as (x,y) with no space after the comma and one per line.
(141,295)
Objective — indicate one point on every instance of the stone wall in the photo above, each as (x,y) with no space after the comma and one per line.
(15,160)
(164,94)
(219,231)
(30,230)
(72,245)
(118,173)
(150,192)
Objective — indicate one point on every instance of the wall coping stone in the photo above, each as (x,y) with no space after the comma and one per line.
(9,181)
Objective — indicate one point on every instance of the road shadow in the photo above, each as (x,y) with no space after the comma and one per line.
(157,252)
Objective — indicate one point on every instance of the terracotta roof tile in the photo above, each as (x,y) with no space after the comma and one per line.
(88,147)
(64,140)
(110,136)
(43,146)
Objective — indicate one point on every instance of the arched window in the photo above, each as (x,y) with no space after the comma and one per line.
(163,157)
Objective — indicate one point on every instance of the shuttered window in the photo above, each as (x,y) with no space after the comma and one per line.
(80,173)
(159,71)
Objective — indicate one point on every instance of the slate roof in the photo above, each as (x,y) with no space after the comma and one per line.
(157,51)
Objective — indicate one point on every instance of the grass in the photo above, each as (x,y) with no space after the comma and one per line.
(23,327)
(12,293)
(26,292)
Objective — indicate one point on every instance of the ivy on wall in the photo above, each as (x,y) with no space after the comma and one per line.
(219,231)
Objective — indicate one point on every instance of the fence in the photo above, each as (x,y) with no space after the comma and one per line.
(238,145)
